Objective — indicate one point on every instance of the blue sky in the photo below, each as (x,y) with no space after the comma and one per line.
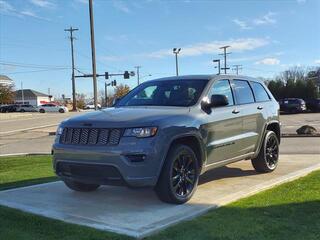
(266,37)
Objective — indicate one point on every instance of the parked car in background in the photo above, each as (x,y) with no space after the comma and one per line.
(26,108)
(165,133)
(91,106)
(292,105)
(51,107)
(313,105)
(8,108)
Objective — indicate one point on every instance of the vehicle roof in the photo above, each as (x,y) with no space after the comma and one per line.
(207,77)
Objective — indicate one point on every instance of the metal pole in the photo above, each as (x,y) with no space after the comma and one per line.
(138,74)
(93,55)
(22,94)
(177,69)
(225,60)
(74,101)
(106,93)
(219,72)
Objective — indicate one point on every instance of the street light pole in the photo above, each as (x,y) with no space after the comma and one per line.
(218,61)
(93,55)
(138,74)
(176,51)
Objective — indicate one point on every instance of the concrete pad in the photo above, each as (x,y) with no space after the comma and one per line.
(138,212)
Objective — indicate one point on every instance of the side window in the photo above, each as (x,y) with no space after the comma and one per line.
(259,92)
(222,87)
(243,92)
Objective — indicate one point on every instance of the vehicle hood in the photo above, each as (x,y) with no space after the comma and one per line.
(126,117)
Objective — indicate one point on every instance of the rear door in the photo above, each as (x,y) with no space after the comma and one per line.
(224,125)
(252,113)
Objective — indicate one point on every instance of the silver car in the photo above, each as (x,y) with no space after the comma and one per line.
(166,132)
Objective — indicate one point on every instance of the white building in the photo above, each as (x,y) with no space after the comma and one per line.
(29,96)
(5,81)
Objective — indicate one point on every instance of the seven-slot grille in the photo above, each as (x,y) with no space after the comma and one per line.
(90,136)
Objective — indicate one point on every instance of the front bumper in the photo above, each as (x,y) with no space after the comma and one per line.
(133,162)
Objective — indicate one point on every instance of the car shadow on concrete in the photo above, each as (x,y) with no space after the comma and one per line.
(225,172)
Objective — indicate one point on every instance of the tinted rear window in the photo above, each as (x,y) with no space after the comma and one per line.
(243,92)
(259,92)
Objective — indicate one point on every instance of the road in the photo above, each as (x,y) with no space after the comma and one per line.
(37,140)
(8,126)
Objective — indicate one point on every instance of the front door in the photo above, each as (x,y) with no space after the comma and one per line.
(224,126)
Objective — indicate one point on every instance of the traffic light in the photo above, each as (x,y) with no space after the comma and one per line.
(114,83)
(106,75)
(126,75)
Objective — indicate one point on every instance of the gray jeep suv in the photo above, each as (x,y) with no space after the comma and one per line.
(166,132)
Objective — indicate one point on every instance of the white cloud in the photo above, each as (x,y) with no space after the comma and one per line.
(237,45)
(269,61)
(121,6)
(301,1)
(266,19)
(241,24)
(8,9)
(82,1)
(317,61)
(43,3)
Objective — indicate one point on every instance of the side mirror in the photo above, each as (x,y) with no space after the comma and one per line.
(218,100)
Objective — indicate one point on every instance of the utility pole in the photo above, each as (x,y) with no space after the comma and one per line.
(225,58)
(93,55)
(106,93)
(22,94)
(138,74)
(218,61)
(176,51)
(237,67)
(74,103)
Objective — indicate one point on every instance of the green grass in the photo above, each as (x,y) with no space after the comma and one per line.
(25,170)
(290,211)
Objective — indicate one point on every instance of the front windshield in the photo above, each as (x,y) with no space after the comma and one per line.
(181,93)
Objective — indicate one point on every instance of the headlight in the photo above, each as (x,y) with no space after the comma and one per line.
(140,132)
(59,131)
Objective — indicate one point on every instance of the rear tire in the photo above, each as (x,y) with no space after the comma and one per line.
(80,187)
(22,110)
(179,176)
(42,111)
(267,159)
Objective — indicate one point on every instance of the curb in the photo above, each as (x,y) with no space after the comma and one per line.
(24,154)
(295,135)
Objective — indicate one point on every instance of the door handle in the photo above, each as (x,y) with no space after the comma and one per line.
(235,111)
(259,108)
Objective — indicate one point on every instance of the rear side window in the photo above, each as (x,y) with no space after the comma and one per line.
(243,92)
(259,92)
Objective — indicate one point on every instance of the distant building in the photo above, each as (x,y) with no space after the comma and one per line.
(5,81)
(32,97)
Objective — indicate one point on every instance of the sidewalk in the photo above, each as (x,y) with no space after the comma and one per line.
(138,212)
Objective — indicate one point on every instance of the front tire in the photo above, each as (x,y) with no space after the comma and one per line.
(80,187)
(267,159)
(42,111)
(61,110)
(179,177)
